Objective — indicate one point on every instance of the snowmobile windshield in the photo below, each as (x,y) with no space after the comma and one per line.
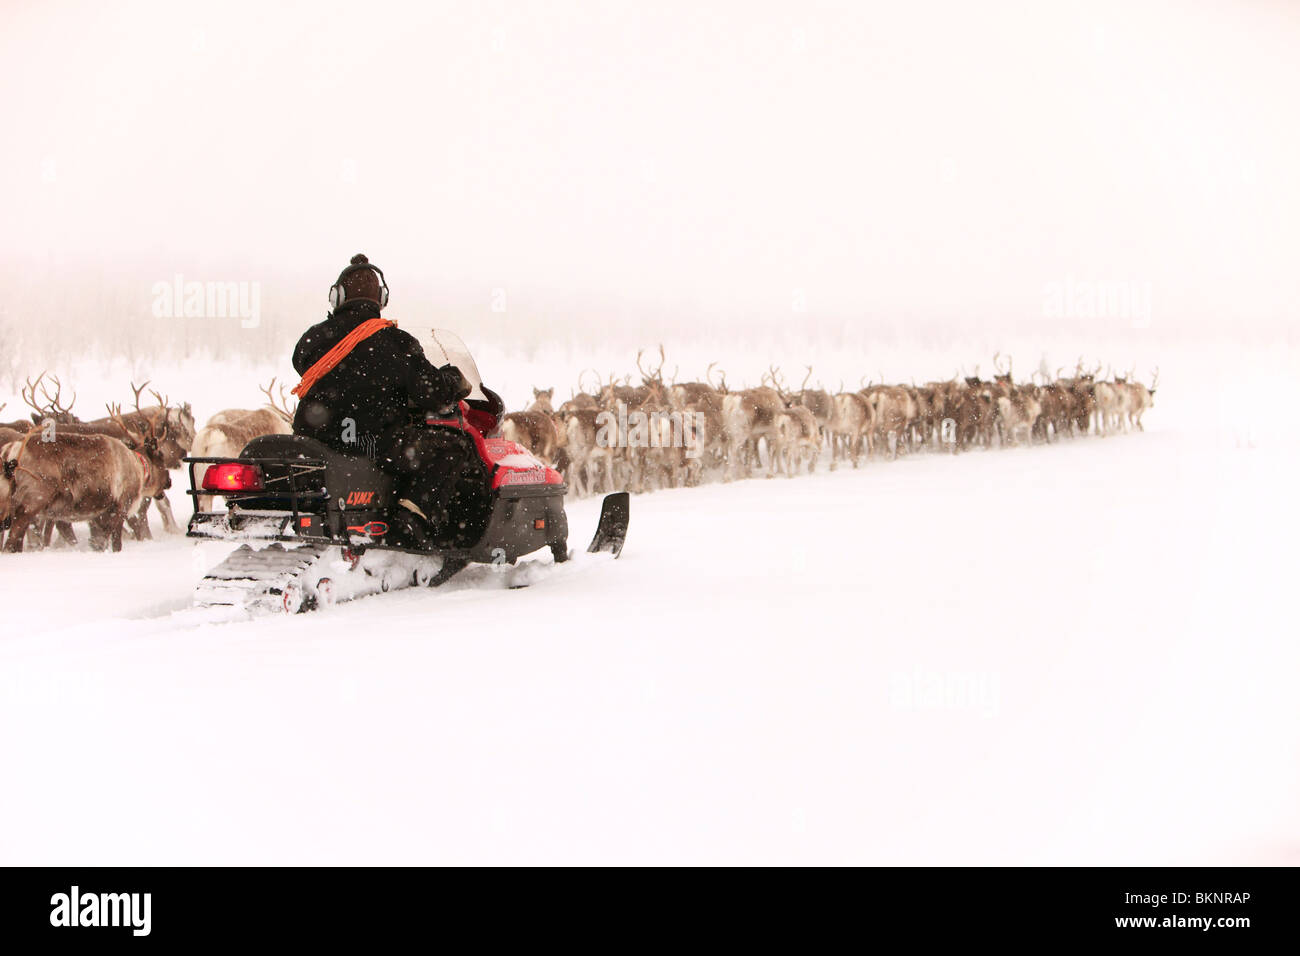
(442,347)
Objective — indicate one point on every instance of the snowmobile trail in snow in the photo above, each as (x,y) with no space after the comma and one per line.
(289,578)
(1065,654)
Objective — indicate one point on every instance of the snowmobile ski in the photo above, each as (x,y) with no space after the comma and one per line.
(611,531)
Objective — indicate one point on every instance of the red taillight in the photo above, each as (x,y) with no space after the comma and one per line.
(232,476)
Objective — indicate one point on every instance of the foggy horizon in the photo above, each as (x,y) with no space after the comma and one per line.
(822,164)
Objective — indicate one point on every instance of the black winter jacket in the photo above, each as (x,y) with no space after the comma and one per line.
(376,385)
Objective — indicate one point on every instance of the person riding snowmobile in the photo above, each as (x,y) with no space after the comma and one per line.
(368,388)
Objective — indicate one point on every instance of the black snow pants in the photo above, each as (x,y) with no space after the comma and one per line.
(439,471)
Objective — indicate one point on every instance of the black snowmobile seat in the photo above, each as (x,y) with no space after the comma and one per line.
(354,478)
(300,446)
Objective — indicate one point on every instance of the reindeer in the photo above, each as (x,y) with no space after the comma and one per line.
(749,417)
(628,394)
(893,410)
(1054,418)
(1081,389)
(925,423)
(852,420)
(590,446)
(663,455)
(22,425)
(1124,401)
(944,399)
(799,439)
(971,407)
(178,438)
(542,401)
(1017,413)
(1107,407)
(798,436)
(80,477)
(635,420)
(12,431)
(170,442)
(581,398)
(700,405)
(228,431)
(1140,398)
(534,428)
(816,400)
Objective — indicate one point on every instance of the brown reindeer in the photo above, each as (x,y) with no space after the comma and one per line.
(1017,413)
(581,398)
(894,409)
(163,430)
(799,439)
(534,429)
(852,419)
(816,400)
(700,406)
(175,423)
(94,478)
(750,417)
(12,431)
(226,433)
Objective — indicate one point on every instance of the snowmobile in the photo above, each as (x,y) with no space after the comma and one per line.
(317,527)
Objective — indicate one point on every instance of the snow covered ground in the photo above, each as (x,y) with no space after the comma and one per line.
(1076,654)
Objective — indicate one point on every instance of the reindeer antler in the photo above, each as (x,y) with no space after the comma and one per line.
(54,399)
(803,386)
(132,438)
(162,415)
(1155,377)
(152,437)
(657,374)
(29,394)
(282,408)
(284,403)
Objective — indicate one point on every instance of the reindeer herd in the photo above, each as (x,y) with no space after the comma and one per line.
(692,431)
(58,469)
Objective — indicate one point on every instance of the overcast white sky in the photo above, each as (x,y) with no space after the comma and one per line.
(708,159)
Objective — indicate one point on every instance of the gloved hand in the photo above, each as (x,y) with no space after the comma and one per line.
(455,383)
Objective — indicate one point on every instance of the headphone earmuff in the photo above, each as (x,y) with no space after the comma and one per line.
(338,295)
